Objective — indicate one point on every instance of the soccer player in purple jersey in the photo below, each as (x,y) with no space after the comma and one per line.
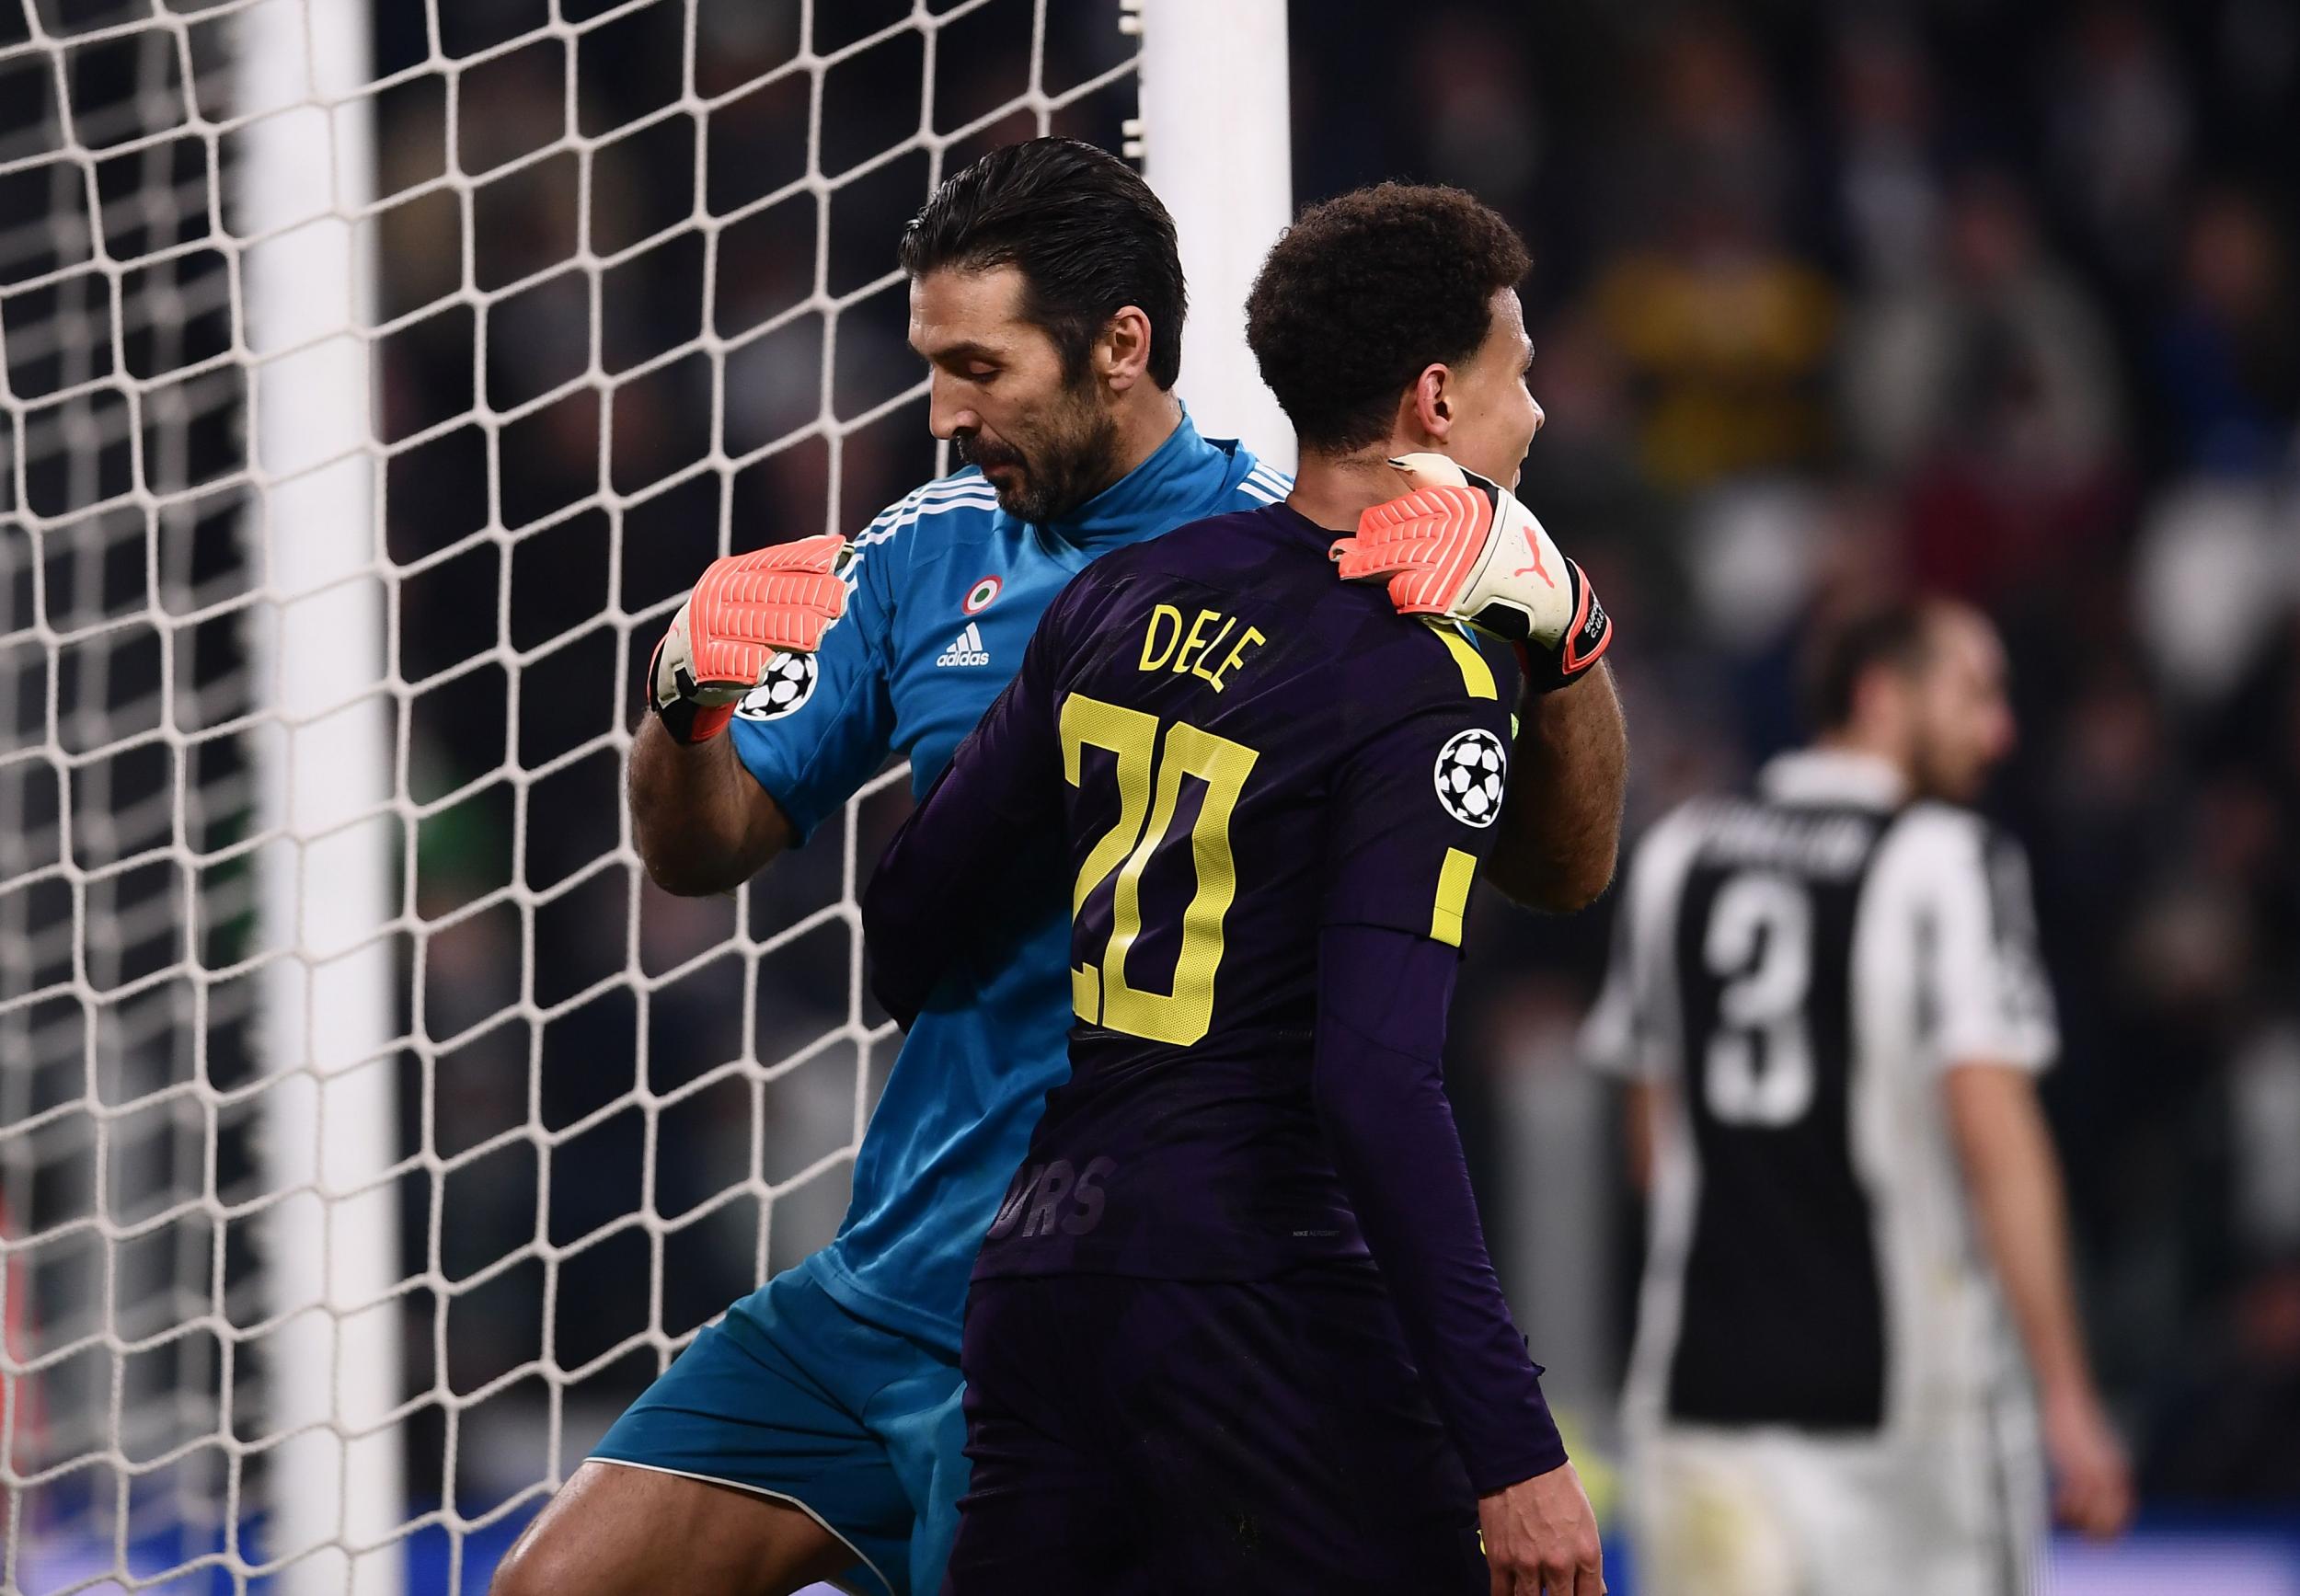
(1234,1328)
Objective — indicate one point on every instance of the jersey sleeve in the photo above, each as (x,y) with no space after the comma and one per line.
(1379,1083)
(997,804)
(1412,816)
(1987,987)
(811,751)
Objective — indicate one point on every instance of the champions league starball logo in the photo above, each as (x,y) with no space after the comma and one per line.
(1469,776)
(788,683)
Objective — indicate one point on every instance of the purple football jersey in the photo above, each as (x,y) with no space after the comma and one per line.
(1231,751)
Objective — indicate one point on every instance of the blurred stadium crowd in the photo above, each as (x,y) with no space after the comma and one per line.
(1986,295)
(1994,299)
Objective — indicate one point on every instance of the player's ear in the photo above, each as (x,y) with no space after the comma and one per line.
(1429,405)
(1122,354)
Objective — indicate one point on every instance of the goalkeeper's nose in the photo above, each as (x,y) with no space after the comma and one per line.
(948,416)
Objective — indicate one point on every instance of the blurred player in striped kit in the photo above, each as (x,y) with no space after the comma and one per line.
(1828,1003)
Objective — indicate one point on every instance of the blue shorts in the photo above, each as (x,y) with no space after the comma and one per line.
(793,1397)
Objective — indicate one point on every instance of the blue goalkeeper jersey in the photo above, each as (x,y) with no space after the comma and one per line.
(943,597)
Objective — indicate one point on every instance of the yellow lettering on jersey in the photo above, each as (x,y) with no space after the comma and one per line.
(1477,676)
(1452,896)
(1155,654)
(1198,661)
(1196,642)
(1250,638)
(1166,645)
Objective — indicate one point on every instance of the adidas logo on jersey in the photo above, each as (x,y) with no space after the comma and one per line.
(966,648)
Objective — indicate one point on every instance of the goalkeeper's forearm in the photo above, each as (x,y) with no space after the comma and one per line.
(1561,822)
(701,821)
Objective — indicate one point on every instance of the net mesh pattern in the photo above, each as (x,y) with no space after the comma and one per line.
(633,306)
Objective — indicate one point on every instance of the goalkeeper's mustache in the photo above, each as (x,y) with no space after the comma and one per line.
(972,451)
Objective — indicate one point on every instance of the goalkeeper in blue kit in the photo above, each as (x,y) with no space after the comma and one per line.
(1234,1327)
(816,1432)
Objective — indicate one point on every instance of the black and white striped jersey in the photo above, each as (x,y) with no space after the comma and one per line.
(1798,969)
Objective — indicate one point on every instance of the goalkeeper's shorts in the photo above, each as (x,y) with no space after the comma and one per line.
(793,1397)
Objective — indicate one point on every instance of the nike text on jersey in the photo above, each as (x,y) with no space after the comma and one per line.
(966,648)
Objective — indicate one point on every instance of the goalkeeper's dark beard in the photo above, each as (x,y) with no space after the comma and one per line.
(1073,456)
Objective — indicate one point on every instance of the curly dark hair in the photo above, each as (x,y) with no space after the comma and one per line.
(1366,291)
(1089,238)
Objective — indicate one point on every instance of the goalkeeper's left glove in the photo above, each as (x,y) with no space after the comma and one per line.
(746,609)
(1462,545)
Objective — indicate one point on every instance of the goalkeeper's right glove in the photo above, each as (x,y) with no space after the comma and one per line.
(746,609)
(1461,546)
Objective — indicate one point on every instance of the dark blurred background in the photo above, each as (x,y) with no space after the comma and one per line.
(1989,299)
(1995,297)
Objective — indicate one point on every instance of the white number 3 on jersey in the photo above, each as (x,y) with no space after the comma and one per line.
(1759,1068)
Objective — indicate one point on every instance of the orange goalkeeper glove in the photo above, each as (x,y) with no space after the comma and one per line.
(1461,546)
(747,609)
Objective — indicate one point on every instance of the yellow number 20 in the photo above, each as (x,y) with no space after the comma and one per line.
(1149,790)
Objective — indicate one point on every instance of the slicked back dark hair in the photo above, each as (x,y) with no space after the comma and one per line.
(1897,635)
(1367,291)
(1086,233)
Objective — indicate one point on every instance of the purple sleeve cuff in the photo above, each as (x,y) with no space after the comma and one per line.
(1380,1087)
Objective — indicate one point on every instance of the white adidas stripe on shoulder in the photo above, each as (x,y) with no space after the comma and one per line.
(934,493)
(944,490)
(885,528)
(943,487)
(1263,484)
(937,498)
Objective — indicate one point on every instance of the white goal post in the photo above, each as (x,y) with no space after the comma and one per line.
(1218,145)
(373,374)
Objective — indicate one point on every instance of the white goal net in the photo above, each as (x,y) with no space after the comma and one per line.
(372,386)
